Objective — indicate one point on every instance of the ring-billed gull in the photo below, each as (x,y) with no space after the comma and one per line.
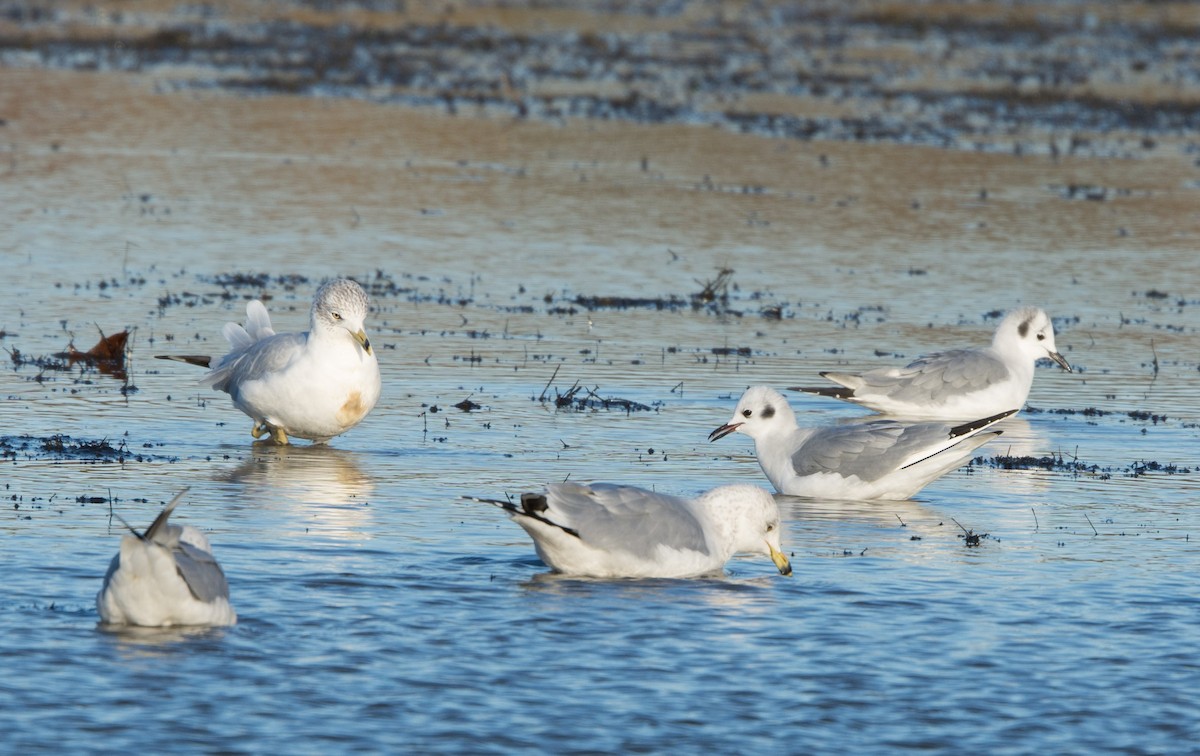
(609,531)
(879,459)
(959,384)
(165,576)
(313,385)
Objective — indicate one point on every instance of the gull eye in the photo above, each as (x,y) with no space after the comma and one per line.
(337,316)
(1041,337)
(770,527)
(746,413)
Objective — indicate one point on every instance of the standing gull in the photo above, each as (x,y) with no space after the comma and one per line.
(609,531)
(961,383)
(314,385)
(165,576)
(880,459)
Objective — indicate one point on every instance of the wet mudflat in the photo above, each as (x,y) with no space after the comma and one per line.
(563,291)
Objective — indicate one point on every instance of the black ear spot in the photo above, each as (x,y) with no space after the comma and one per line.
(1023,329)
(768,411)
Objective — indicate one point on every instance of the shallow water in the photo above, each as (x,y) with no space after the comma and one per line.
(379,611)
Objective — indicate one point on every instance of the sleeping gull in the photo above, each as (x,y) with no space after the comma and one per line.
(959,384)
(165,576)
(879,459)
(609,531)
(313,385)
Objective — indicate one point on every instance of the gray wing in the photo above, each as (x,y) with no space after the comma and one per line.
(258,359)
(201,572)
(625,518)
(869,450)
(934,378)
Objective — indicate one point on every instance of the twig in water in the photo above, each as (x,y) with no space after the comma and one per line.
(970,537)
(1036,525)
(902,523)
(1089,519)
(542,398)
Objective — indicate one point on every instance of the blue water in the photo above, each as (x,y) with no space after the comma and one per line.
(378,611)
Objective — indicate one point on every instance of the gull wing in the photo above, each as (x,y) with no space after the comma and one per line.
(625,518)
(870,450)
(260,358)
(932,379)
(201,572)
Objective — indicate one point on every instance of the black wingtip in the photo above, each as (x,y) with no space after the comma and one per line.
(532,505)
(199,360)
(837,392)
(974,425)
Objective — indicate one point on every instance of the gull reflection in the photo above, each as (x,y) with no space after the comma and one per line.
(152,642)
(323,482)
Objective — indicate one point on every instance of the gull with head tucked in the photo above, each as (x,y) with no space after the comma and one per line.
(879,459)
(612,531)
(163,577)
(314,385)
(959,384)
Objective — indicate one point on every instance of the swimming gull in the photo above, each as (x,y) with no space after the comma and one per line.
(880,459)
(959,384)
(609,531)
(165,576)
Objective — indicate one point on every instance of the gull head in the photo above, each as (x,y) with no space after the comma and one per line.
(762,411)
(342,304)
(1029,331)
(752,518)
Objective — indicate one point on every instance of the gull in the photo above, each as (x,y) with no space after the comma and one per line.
(611,531)
(880,459)
(959,384)
(165,576)
(313,385)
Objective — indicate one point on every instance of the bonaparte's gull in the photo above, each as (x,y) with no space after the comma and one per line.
(879,459)
(960,384)
(165,576)
(313,385)
(609,531)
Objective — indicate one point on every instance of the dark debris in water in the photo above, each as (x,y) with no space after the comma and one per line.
(713,296)
(1139,415)
(1073,466)
(65,448)
(262,281)
(970,538)
(466,405)
(581,399)
(107,357)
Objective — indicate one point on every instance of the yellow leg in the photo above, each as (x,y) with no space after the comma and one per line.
(259,430)
(279,437)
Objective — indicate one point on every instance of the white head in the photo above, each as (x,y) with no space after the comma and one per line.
(753,520)
(762,411)
(1029,332)
(339,305)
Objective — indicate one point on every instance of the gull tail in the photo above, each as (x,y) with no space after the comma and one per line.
(199,360)
(160,522)
(531,505)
